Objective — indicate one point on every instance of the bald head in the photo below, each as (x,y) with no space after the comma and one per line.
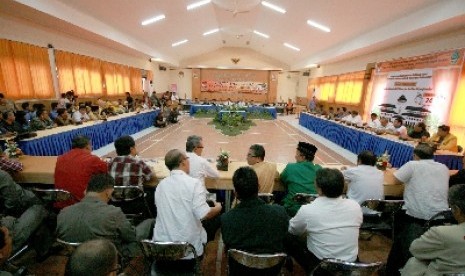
(95,257)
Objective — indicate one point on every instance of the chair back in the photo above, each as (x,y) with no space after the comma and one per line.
(454,274)
(267,197)
(52,195)
(167,251)
(126,193)
(303,198)
(442,218)
(339,267)
(383,205)
(256,261)
(68,246)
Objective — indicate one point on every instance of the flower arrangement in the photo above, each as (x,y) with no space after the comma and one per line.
(383,161)
(12,149)
(222,160)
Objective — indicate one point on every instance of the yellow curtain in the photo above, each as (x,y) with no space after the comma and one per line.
(110,79)
(327,87)
(65,71)
(457,110)
(25,71)
(349,88)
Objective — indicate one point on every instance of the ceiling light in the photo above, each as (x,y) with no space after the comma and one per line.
(291,46)
(156,59)
(179,43)
(261,34)
(318,26)
(211,31)
(312,65)
(153,20)
(273,7)
(198,4)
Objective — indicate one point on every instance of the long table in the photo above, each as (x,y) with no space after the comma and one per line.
(56,141)
(357,140)
(41,169)
(208,107)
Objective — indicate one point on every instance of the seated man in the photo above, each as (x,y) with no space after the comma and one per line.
(385,126)
(331,224)
(299,177)
(10,165)
(182,205)
(23,214)
(80,116)
(199,166)
(252,225)
(425,194)
(74,169)
(96,257)
(126,168)
(353,119)
(441,249)
(159,120)
(365,181)
(9,123)
(173,115)
(399,128)
(444,140)
(62,118)
(41,121)
(266,172)
(418,133)
(374,122)
(101,219)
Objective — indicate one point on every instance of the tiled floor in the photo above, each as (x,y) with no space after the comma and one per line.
(279,137)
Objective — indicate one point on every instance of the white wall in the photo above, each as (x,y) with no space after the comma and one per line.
(288,86)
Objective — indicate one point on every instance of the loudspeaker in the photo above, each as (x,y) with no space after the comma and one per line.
(162,68)
(306,74)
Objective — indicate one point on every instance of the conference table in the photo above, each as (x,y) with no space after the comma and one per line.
(356,140)
(39,170)
(216,108)
(56,141)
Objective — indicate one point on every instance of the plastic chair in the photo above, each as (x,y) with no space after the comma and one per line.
(382,206)
(127,197)
(68,246)
(442,218)
(51,196)
(338,267)
(254,264)
(303,198)
(454,274)
(168,251)
(267,197)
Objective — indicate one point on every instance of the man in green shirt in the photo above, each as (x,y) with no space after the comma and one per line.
(299,177)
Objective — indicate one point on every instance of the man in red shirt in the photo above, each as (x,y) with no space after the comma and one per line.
(75,168)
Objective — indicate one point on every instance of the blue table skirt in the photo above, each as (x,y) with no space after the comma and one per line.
(270,110)
(356,140)
(100,134)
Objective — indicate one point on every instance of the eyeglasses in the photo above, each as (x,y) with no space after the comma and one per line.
(250,155)
(200,147)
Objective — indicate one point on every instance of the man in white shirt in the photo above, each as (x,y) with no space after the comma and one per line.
(375,123)
(399,129)
(331,223)
(80,116)
(385,126)
(199,166)
(426,186)
(365,181)
(182,205)
(353,119)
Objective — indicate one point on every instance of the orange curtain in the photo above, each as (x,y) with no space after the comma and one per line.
(136,79)
(25,71)
(349,88)
(79,73)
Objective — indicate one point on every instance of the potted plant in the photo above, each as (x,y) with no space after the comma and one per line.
(222,160)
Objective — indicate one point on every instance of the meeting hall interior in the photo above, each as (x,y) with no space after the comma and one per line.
(232,137)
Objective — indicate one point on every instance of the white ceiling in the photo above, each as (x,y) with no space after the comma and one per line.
(357,26)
